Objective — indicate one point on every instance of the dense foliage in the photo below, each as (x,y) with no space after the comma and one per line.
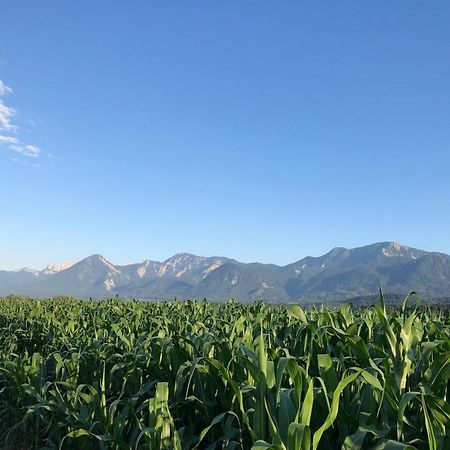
(196,375)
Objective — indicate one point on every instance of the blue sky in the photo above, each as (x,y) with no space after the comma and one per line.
(258,130)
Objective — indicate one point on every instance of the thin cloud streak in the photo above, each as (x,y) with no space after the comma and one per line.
(7,113)
(8,139)
(4,89)
(28,150)
(27,163)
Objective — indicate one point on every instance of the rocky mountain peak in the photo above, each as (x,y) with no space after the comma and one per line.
(58,267)
(339,274)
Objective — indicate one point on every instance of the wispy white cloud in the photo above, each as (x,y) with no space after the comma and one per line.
(26,163)
(7,113)
(28,150)
(8,139)
(4,89)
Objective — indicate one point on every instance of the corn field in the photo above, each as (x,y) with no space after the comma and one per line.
(197,375)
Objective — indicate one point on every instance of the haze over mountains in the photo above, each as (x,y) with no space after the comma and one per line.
(341,273)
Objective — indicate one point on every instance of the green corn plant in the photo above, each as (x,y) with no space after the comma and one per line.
(197,375)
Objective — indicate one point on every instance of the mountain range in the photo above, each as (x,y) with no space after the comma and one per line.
(339,274)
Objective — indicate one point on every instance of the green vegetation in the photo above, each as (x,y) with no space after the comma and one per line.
(196,375)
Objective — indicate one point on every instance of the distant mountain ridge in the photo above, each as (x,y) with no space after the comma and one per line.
(341,273)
